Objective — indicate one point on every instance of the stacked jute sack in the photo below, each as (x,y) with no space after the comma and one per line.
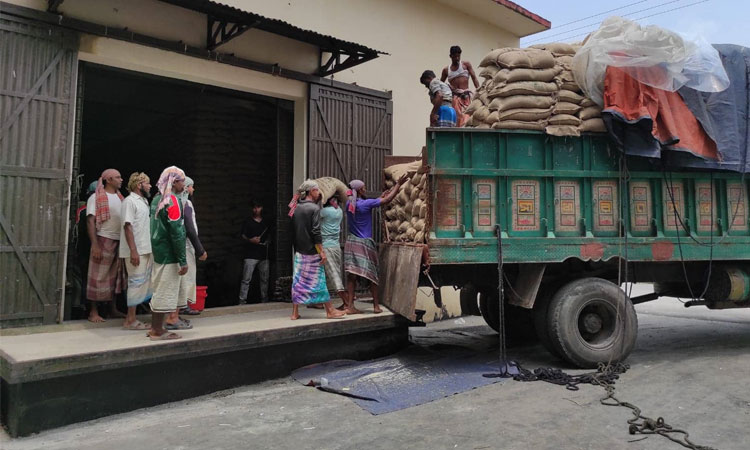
(406,216)
(532,89)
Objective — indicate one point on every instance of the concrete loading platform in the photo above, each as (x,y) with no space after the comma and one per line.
(80,371)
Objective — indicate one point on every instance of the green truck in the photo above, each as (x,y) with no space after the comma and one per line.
(575,220)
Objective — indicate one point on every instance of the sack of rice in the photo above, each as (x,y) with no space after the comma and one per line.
(404,226)
(565,95)
(524,88)
(396,171)
(519,125)
(565,108)
(332,187)
(469,122)
(521,101)
(488,72)
(491,57)
(586,102)
(481,114)
(526,59)
(564,119)
(410,234)
(416,179)
(556,48)
(590,112)
(565,60)
(593,126)
(570,86)
(419,237)
(525,114)
(414,194)
(492,118)
(483,126)
(473,106)
(513,75)
(390,214)
(423,211)
(562,130)
(484,97)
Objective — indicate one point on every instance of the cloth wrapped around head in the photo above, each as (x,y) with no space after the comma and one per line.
(135,179)
(164,185)
(302,191)
(102,203)
(355,185)
(184,195)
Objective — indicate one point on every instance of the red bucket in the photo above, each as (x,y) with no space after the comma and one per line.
(200,298)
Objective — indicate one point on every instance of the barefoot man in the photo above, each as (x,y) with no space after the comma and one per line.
(309,281)
(104,223)
(360,252)
(135,247)
(168,247)
(457,74)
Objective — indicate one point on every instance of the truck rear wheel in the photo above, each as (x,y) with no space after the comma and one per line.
(469,303)
(541,322)
(591,320)
(518,321)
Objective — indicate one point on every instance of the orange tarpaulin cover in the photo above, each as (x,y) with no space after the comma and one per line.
(673,124)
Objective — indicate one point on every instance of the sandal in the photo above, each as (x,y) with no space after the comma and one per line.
(164,337)
(181,325)
(136,326)
(189,312)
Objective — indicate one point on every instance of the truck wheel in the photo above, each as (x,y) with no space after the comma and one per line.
(469,304)
(518,321)
(591,320)
(488,309)
(541,322)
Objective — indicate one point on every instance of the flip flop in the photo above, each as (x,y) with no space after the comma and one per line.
(136,326)
(181,325)
(165,337)
(189,312)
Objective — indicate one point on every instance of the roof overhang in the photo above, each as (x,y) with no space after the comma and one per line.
(225,22)
(504,14)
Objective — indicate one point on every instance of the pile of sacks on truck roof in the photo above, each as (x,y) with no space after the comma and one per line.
(406,216)
(533,89)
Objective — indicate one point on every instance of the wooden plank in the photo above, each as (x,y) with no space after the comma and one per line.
(399,277)
(24,261)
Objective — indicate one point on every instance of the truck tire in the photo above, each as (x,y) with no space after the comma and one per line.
(488,309)
(519,326)
(591,320)
(469,303)
(541,322)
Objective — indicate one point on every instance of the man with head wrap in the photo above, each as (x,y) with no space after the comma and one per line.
(193,246)
(104,223)
(309,280)
(168,248)
(135,250)
(360,252)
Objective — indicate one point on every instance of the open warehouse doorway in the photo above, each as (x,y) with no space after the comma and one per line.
(235,145)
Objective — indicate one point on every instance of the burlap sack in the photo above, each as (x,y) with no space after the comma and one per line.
(488,72)
(556,48)
(491,57)
(482,126)
(566,75)
(473,106)
(518,125)
(484,98)
(529,58)
(521,101)
(492,118)
(419,237)
(562,130)
(330,187)
(593,126)
(565,95)
(586,102)
(590,112)
(480,114)
(570,86)
(524,114)
(513,75)
(565,108)
(396,171)
(565,61)
(469,122)
(524,88)
(564,119)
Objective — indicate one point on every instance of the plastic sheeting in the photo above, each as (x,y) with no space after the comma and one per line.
(410,378)
(725,115)
(652,55)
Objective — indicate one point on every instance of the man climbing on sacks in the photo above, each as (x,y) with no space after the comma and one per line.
(457,74)
(441,97)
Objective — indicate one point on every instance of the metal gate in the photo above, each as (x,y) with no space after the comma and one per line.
(37,84)
(349,135)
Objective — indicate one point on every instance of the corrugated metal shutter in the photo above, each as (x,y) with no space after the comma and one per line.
(350,133)
(37,83)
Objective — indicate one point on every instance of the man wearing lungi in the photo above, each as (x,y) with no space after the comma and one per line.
(330,227)
(136,249)
(457,74)
(103,220)
(168,245)
(441,97)
(360,252)
(309,280)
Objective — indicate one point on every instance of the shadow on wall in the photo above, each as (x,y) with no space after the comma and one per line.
(451,304)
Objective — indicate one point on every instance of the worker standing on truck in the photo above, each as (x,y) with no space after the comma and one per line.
(457,74)
(360,252)
(441,97)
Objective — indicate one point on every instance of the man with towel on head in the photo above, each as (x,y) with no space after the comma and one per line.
(135,249)
(360,251)
(103,220)
(309,281)
(168,237)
